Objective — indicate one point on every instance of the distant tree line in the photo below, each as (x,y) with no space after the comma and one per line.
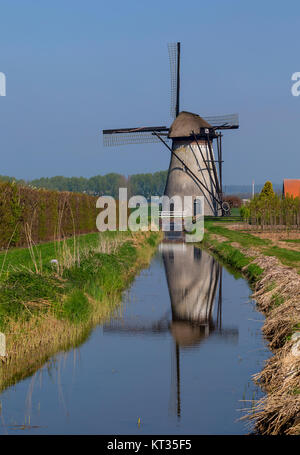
(109,184)
(245,191)
(101,185)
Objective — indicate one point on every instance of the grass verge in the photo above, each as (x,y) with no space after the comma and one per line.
(273,274)
(229,254)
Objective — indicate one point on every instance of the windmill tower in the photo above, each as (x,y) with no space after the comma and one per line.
(193,170)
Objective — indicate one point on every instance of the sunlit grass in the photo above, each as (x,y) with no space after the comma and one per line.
(244,239)
(286,256)
(291,240)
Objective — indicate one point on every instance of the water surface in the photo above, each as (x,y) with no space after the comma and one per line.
(179,354)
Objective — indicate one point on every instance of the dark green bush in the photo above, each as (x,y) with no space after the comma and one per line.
(76,307)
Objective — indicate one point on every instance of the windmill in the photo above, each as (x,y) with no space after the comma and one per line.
(193,170)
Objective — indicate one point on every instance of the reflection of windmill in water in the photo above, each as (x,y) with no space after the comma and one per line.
(193,277)
(193,169)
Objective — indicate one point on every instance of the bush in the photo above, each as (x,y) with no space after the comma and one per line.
(43,213)
(76,307)
(245,212)
(233,201)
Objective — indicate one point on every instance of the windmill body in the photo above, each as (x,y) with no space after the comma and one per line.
(192,139)
(180,182)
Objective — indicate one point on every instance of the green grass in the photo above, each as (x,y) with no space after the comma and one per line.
(244,239)
(295,391)
(286,256)
(253,272)
(21,256)
(227,252)
(17,257)
(233,257)
(233,217)
(152,239)
(276,300)
(24,293)
(295,328)
(76,307)
(222,219)
(291,240)
(271,286)
(235,211)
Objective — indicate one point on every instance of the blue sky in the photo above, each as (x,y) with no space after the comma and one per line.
(75,67)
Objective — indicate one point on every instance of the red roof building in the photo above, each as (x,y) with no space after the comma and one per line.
(291,187)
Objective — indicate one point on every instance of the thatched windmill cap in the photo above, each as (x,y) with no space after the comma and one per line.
(185,123)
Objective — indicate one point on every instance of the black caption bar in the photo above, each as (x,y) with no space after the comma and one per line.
(153,444)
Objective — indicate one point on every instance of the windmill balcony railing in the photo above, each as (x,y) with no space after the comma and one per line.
(173,214)
(177,213)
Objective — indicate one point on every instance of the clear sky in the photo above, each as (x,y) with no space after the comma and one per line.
(75,67)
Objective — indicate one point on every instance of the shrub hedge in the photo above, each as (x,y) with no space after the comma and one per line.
(46,214)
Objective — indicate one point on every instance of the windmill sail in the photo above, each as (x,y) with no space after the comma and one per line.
(139,135)
(174,58)
(223,122)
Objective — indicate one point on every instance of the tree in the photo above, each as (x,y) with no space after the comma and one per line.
(146,185)
(267,190)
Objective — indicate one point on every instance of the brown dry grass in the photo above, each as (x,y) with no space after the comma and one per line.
(279,411)
(284,231)
(277,238)
(277,295)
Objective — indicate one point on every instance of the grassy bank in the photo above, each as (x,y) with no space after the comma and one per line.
(225,244)
(47,307)
(273,273)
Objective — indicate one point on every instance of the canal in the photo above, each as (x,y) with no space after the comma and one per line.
(176,358)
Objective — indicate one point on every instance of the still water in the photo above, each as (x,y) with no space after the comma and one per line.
(178,355)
